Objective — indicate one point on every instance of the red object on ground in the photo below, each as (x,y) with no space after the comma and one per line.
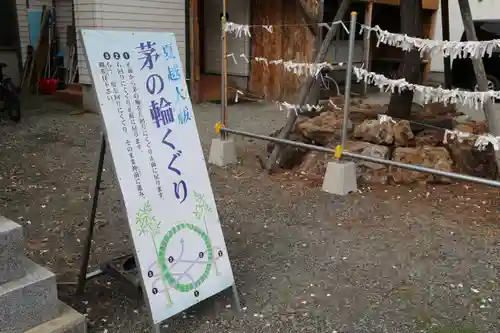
(47,86)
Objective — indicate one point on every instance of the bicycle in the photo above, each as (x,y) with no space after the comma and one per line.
(9,98)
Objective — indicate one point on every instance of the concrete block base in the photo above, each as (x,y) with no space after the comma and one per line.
(29,301)
(68,321)
(222,152)
(89,99)
(340,178)
(11,250)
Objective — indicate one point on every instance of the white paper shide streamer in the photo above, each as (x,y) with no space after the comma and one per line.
(238,30)
(298,68)
(243,30)
(470,49)
(481,142)
(473,99)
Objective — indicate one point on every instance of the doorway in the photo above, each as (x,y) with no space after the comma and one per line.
(206,62)
(9,41)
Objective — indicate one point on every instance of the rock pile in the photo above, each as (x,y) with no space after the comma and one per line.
(412,143)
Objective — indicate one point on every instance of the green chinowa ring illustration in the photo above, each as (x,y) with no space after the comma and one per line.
(168,275)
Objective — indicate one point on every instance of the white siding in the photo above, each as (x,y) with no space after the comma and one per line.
(135,15)
(22,17)
(238,12)
(64,17)
(85,17)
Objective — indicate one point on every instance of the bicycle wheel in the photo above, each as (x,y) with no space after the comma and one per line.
(12,104)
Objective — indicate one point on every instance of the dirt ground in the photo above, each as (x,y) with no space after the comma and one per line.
(387,259)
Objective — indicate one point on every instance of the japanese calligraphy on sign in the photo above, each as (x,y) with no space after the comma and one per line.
(160,167)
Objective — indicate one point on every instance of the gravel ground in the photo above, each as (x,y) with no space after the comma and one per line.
(387,259)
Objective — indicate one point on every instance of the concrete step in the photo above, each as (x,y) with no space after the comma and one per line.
(74,87)
(70,96)
(29,301)
(68,321)
(11,250)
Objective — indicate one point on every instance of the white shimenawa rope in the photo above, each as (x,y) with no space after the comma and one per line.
(298,68)
(473,99)
(239,30)
(243,30)
(481,141)
(304,108)
(288,107)
(471,49)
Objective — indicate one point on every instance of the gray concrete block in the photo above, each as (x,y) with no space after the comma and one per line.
(222,152)
(89,97)
(29,301)
(11,250)
(340,178)
(68,321)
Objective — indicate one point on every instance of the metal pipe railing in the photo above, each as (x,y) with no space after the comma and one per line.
(419,168)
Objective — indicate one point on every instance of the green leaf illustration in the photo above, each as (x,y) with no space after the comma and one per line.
(145,220)
(201,206)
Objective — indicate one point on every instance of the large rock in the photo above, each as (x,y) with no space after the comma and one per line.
(397,133)
(369,172)
(289,156)
(375,151)
(322,129)
(403,136)
(430,137)
(473,162)
(314,164)
(427,156)
(435,110)
(375,132)
(466,128)
(481,127)
(374,173)
(462,119)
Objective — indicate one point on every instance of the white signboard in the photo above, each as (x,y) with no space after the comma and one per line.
(159,163)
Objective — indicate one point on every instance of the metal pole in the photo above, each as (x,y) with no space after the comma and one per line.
(348,77)
(366,50)
(223,69)
(90,231)
(419,168)
(306,87)
(236,297)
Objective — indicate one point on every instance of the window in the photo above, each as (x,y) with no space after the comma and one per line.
(8,24)
(485,30)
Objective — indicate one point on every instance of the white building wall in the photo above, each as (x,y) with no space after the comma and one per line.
(22,17)
(64,17)
(133,15)
(481,10)
(239,12)
(85,17)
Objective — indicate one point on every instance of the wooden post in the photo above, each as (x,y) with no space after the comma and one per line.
(304,92)
(492,117)
(445,28)
(411,68)
(194,50)
(428,58)
(367,44)
(315,94)
(224,68)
